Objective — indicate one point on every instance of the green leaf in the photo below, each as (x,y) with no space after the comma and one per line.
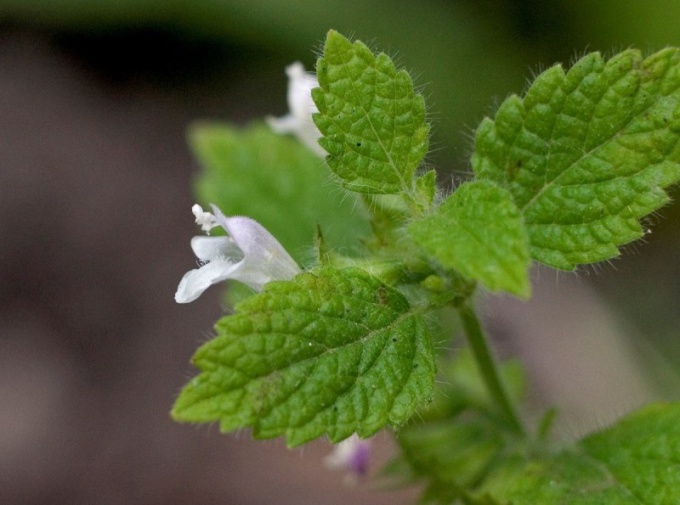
(452,445)
(464,384)
(451,456)
(587,154)
(279,183)
(332,352)
(478,231)
(372,121)
(461,387)
(426,189)
(636,461)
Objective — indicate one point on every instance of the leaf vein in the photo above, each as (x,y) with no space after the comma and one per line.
(590,152)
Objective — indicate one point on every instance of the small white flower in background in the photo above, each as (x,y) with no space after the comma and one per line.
(352,455)
(249,254)
(299,121)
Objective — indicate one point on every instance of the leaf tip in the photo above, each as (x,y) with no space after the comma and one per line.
(335,40)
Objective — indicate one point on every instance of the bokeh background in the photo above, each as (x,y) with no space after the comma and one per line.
(95,191)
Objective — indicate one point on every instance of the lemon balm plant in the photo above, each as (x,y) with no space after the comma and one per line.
(338,334)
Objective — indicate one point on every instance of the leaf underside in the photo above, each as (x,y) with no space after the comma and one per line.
(332,352)
(372,121)
(586,154)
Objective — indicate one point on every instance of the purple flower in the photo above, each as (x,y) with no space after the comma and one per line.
(352,455)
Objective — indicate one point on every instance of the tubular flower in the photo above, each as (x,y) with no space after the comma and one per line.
(249,254)
(299,121)
(352,455)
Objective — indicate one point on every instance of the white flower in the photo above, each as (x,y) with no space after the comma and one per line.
(299,121)
(249,254)
(352,455)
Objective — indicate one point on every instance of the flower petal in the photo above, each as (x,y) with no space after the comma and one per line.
(283,124)
(210,248)
(249,254)
(302,107)
(196,281)
(264,258)
(352,454)
(300,87)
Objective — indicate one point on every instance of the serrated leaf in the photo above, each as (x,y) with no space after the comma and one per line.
(334,352)
(279,183)
(636,461)
(478,231)
(372,121)
(587,154)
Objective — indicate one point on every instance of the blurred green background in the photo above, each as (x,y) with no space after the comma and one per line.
(95,192)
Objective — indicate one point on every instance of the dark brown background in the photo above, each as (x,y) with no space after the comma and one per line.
(95,197)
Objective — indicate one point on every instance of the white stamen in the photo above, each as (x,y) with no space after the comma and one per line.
(204,219)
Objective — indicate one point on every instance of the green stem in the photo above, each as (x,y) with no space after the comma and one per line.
(488,368)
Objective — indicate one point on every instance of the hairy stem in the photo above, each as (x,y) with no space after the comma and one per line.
(488,367)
